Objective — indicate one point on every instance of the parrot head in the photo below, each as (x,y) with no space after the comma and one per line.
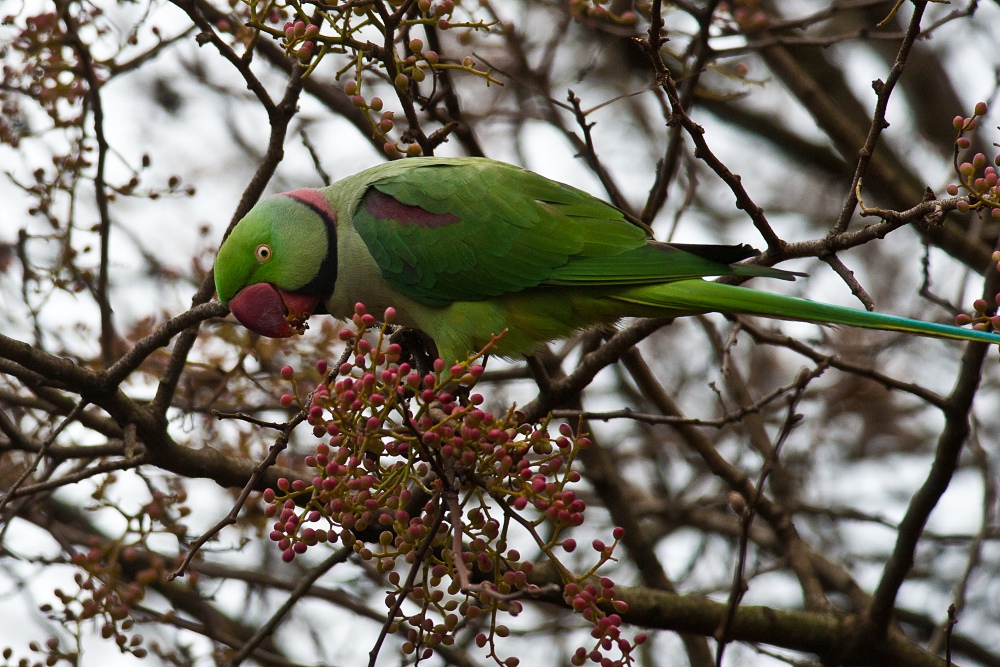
(279,263)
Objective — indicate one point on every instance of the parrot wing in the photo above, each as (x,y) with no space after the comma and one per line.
(468,230)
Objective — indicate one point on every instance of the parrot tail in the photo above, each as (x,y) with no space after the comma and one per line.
(700,296)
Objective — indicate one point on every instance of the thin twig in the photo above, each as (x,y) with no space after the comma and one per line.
(740,585)
(297,593)
(648,418)
(883,90)
(30,470)
(272,457)
(851,281)
(589,154)
(100,189)
(80,475)
(404,592)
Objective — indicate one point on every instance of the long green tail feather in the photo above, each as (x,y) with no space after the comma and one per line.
(696,296)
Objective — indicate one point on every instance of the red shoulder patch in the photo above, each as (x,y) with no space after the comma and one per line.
(385,207)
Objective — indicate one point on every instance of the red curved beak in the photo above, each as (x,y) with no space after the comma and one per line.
(271,312)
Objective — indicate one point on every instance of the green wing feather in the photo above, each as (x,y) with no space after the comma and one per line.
(699,296)
(502,229)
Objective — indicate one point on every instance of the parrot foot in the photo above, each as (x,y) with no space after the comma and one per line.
(418,349)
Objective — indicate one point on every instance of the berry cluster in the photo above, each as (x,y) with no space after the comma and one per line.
(114,574)
(597,10)
(413,68)
(52,650)
(411,469)
(103,595)
(983,320)
(309,34)
(305,39)
(300,39)
(742,17)
(979,181)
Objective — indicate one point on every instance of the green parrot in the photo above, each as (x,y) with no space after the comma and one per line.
(465,248)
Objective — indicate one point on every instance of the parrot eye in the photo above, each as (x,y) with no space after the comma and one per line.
(263,252)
